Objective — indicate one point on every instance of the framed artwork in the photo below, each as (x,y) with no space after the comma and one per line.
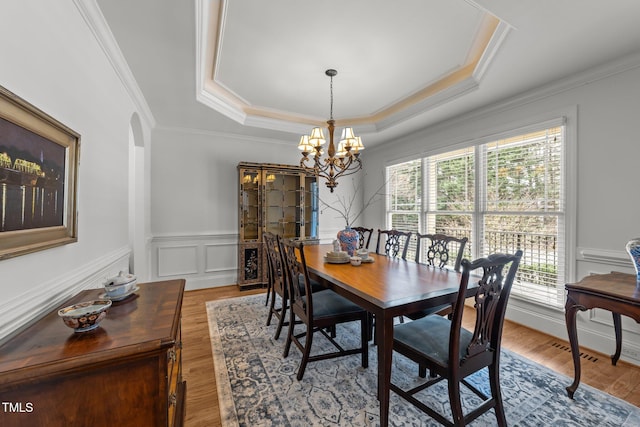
(38,179)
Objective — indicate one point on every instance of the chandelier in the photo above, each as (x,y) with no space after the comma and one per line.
(345,161)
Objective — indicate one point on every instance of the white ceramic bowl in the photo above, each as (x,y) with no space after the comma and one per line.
(85,316)
(121,285)
(355,261)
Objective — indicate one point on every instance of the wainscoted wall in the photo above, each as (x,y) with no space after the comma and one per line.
(17,312)
(204,260)
(75,60)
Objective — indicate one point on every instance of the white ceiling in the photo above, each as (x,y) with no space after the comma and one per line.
(257,67)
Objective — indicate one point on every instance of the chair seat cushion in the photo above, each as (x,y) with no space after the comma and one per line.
(328,303)
(430,337)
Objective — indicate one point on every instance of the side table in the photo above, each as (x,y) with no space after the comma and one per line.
(615,292)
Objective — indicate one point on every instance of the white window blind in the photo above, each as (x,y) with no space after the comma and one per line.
(523,208)
(405,199)
(503,195)
(451,196)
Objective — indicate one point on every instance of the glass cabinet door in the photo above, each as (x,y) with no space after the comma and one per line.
(281,203)
(309,208)
(250,206)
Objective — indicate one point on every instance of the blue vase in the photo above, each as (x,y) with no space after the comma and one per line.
(633,249)
(348,239)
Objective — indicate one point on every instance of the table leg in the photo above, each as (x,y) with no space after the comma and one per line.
(570,318)
(617,326)
(384,337)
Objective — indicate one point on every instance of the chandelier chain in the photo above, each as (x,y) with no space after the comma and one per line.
(331,90)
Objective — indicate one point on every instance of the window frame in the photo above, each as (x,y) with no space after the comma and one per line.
(565,120)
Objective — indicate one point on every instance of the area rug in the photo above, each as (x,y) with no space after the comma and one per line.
(258,387)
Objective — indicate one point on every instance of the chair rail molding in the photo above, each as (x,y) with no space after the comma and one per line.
(604,256)
(18,312)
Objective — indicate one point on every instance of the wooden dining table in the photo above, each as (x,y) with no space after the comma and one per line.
(387,288)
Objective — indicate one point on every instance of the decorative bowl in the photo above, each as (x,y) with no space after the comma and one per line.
(85,316)
(120,286)
(355,261)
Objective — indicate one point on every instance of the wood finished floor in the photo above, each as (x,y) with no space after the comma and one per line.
(202,408)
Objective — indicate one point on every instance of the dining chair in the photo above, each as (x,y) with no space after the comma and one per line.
(317,311)
(364,236)
(453,353)
(276,282)
(267,237)
(395,243)
(438,255)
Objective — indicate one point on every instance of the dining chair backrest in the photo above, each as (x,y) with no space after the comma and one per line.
(394,243)
(364,237)
(276,273)
(295,267)
(494,289)
(438,247)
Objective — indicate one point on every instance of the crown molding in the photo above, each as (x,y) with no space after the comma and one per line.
(94,18)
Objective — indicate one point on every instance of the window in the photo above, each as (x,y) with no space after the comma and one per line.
(404,188)
(503,195)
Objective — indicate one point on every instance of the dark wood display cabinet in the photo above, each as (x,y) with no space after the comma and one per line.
(127,372)
(280,199)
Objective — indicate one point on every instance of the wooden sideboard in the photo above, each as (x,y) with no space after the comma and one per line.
(127,372)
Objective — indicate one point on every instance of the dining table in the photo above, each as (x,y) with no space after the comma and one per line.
(387,288)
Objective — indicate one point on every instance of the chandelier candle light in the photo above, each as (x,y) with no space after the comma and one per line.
(345,161)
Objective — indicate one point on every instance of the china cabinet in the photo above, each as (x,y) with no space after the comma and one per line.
(280,199)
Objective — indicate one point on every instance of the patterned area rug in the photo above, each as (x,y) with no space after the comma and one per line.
(258,387)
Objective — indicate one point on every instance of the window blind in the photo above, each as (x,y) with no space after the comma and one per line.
(405,199)
(522,207)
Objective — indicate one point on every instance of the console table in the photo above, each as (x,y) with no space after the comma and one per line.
(616,292)
(127,372)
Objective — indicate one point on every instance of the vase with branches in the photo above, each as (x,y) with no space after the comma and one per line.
(345,206)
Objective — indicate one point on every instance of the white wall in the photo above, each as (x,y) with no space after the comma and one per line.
(194,202)
(603,107)
(51,59)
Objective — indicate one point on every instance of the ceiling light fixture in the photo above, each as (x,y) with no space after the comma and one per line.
(345,161)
